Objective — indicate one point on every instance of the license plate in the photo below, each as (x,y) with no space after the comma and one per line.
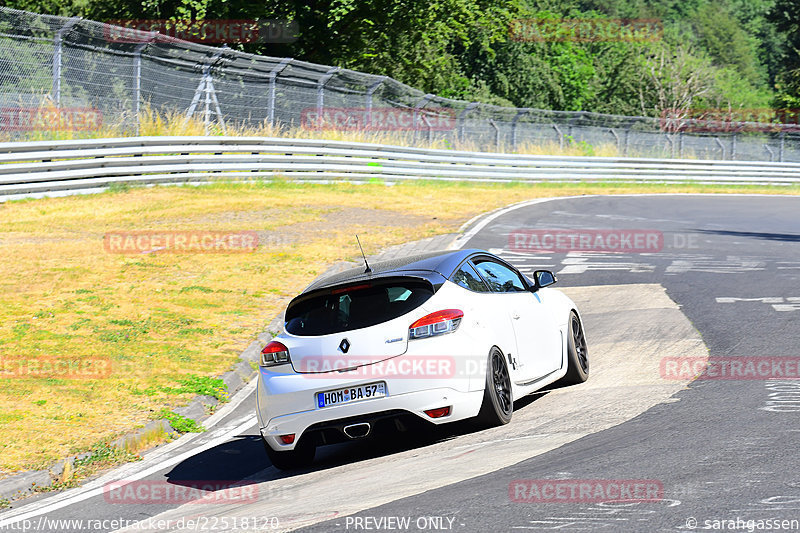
(351,394)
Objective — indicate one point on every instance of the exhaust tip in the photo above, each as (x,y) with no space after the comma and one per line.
(357,431)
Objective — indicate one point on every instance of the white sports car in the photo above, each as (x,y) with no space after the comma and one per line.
(438,337)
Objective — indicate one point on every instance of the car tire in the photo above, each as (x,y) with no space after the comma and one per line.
(498,402)
(577,354)
(301,456)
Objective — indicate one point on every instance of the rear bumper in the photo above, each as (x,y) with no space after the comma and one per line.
(287,403)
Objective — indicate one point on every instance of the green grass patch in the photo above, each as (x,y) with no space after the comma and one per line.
(105,454)
(182,424)
(206,385)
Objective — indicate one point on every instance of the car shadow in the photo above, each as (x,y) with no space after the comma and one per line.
(243,461)
(232,461)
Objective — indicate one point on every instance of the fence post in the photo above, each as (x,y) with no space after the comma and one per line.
(272,88)
(627,141)
(496,135)
(419,105)
(137,77)
(516,118)
(368,104)
(560,136)
(733,147)
(722,146)
(430,129)
(780,151)
(770,152)
(461,118)
(321,90)
(616,137)
(680,144)
(57,53)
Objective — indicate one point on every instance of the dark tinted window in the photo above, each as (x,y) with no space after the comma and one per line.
(360,307)
(499,277)
(469,279)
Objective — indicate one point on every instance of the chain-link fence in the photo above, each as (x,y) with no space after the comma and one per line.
(75,64)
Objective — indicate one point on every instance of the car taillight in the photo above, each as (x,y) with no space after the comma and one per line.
(438,323)
(438,413)
(274,354)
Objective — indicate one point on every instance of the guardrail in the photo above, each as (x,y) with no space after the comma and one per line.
(41,167)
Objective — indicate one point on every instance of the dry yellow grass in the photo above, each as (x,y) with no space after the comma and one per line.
(161,317)
(160,123)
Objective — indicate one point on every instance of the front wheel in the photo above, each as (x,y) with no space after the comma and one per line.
(498,403)
(577,354)
(301,456)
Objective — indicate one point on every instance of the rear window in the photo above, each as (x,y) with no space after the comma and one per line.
(360,306)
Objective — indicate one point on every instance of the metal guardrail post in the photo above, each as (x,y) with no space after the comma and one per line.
(57,53)
(272,76)
(137,78)
(462,119)
(321,90)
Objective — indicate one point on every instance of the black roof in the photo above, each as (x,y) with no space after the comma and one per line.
(443,262)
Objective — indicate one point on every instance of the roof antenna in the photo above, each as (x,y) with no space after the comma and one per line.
(368,269)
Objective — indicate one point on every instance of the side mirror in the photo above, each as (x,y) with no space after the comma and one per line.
(543,278)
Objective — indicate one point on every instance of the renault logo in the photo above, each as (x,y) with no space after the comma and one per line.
(344,345)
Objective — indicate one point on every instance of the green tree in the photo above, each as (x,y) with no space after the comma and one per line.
(785,15)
